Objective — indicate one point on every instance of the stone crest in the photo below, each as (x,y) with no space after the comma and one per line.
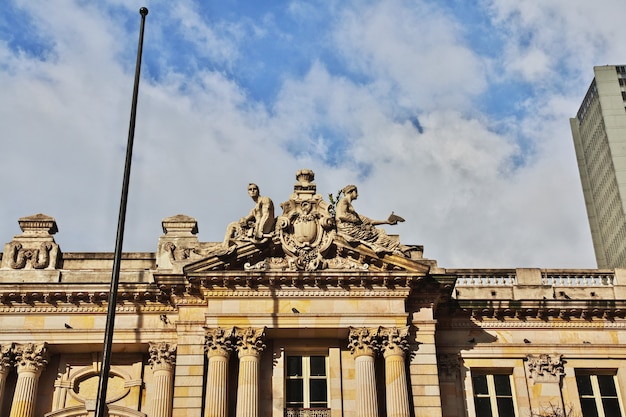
(305,229)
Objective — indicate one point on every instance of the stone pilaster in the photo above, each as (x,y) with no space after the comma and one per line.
(162,360)
(6,363)
(394,347)
(218,346)
(363,344)
(30,360)
(249,347)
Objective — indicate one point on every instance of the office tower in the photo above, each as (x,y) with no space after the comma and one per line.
(599,132)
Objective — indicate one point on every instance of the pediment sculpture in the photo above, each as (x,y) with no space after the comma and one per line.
(311,234)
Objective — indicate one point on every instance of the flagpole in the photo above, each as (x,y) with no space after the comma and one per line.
(103,383)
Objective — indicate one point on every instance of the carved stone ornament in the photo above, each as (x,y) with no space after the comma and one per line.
(305,229)
(162,355)
(6,357)
(545,367)
(31,356)
(393,340)
(449,365)
(250,341)
(304,238)
(35,247)
(219,342)
(363,341)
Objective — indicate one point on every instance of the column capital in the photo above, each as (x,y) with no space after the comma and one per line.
(31,357)
(363,341)
(162,355)
(219,342)
(250,341)
(6,358)
(394,340)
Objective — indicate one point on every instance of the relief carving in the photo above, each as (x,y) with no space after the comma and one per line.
(177,253)
(545,367)
(305,229)
(39,258)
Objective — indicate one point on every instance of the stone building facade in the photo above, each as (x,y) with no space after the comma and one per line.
(309,317)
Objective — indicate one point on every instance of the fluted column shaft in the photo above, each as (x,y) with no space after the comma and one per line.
(364,346)
(30,361)
(397,393)
(394,346)
(162,360)
(249,348)
(163,383)
(218,346)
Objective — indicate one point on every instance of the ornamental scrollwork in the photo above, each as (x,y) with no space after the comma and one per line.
(38,257)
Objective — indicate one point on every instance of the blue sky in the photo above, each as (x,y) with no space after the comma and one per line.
(453,114)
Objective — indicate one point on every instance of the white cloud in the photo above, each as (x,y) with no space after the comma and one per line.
(201,137)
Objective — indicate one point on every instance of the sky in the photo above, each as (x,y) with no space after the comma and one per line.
(453,114)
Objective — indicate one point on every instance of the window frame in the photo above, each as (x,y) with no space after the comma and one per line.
(491,389)
(596,391)
(307,377)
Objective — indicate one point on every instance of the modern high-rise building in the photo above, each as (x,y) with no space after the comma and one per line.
(599,131)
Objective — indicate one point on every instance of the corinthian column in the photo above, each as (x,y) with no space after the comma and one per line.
(249,347)
(394,346)
(162,360)
(364,345)
(6,363)
(30,360)
(218,345)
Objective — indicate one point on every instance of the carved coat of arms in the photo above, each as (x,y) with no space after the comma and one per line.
(305,230)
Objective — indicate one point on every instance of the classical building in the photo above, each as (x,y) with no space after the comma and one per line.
(599,131)
(316,312)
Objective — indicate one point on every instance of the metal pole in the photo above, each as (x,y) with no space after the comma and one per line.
(101,410)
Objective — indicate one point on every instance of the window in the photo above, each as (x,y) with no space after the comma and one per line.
(306,382)
(493,396)
(598,394)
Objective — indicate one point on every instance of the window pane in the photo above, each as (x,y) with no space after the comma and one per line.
(295,393)
(584,385)
(483,406)
(589,407)
(607,386)
(505,407)
(611,407)
(318,366)
(480,385)
(318,390)
(294,365)
(503,385)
